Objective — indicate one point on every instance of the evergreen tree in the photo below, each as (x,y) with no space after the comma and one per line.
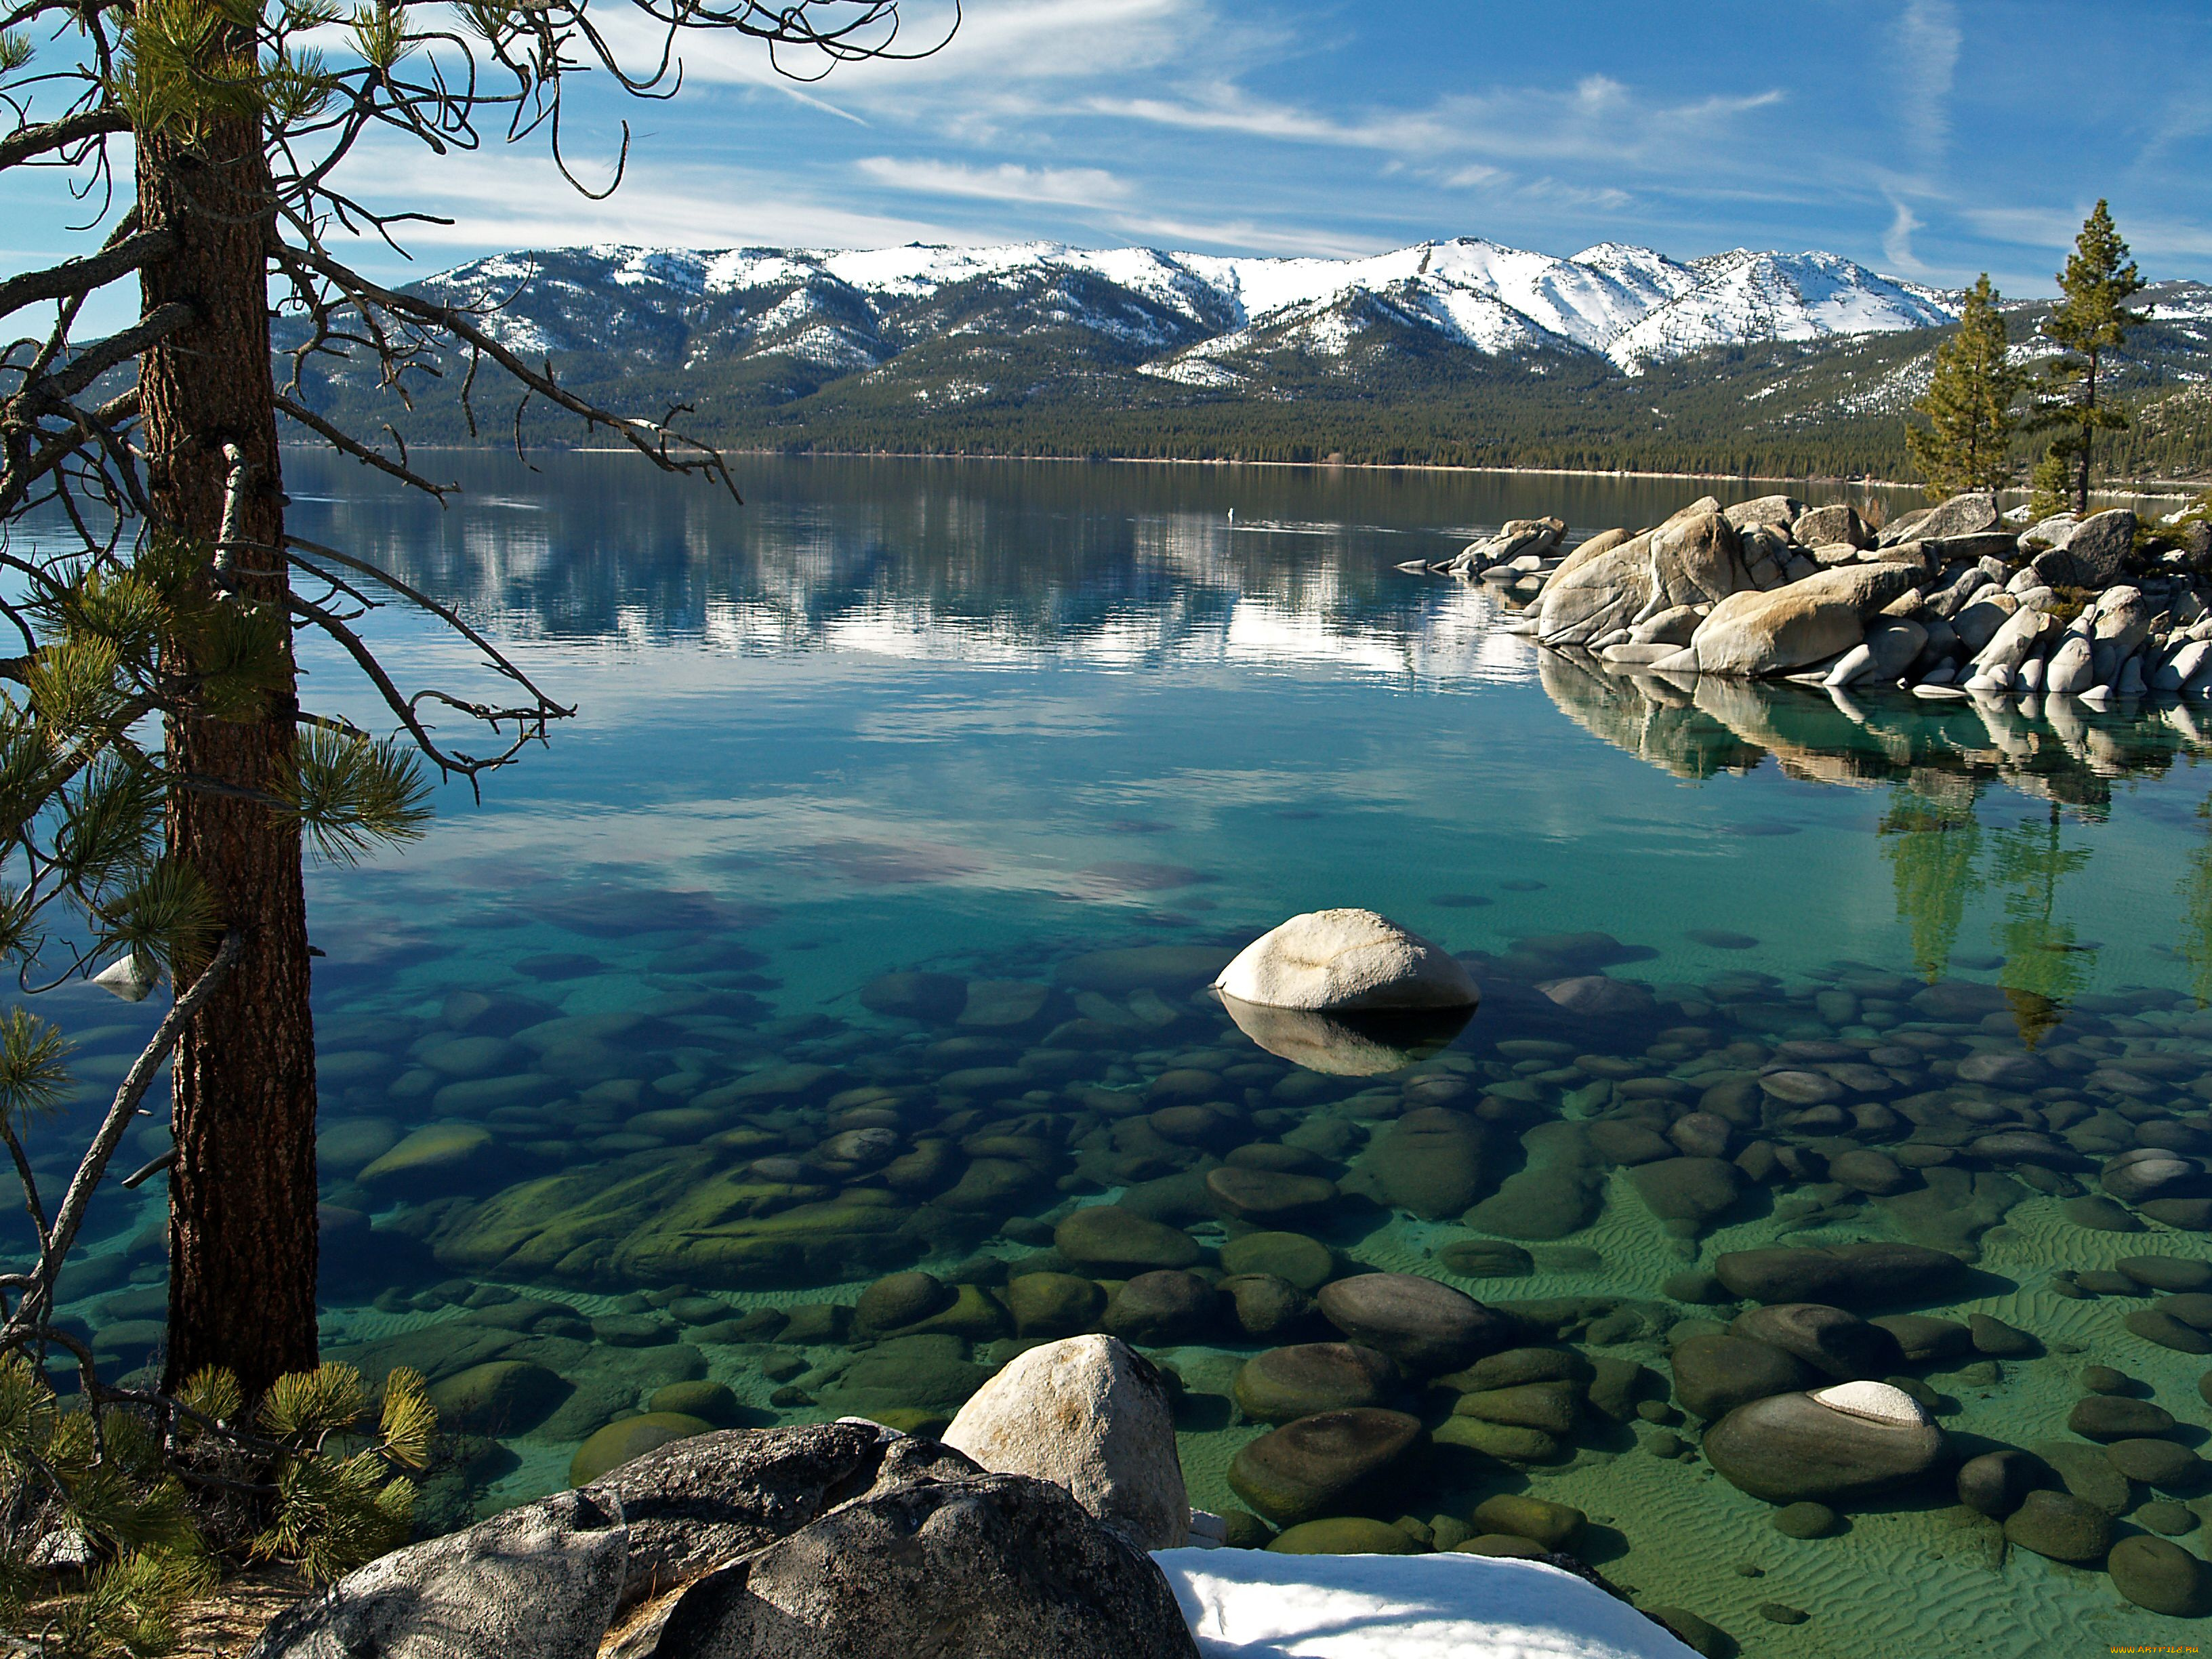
(2090,319)
(2052,481)
(1966,444)
(217,140)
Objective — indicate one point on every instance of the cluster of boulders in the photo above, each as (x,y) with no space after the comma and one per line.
(1951,598)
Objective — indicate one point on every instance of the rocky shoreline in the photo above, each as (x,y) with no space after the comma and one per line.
(1051,1518)
(1947,601)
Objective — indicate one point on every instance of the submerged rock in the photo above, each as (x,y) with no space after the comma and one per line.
(1107,1236)
(1995,1483)
(1429,1163)
(632,1437)
(1842,1275)
(2161,1576)
(1426,1326)
(2061,1527)
(1284,1384)
(1833,1342)
(1842,1443)
(1317,1464)
(1714,1374)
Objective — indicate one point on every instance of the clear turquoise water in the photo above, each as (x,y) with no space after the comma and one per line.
(983,721)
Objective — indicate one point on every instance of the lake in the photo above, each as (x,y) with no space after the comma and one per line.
(859,921)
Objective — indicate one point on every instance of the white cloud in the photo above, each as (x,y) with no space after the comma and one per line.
(514,198)
(2057,228)
(1897,241)
(1599,121)
(1929,42)
(1007,182)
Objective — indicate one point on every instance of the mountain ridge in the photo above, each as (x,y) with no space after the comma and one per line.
(1459,352)
(1629,304)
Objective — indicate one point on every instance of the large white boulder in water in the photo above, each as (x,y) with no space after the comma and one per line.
(1346,962)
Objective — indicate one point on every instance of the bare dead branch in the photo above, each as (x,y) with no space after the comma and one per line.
(83,275)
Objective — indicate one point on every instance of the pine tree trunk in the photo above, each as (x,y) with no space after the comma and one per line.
(2088,441)
(242,1244)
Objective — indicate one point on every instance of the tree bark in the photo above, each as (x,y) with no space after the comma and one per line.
(2088,440)
(242,1237)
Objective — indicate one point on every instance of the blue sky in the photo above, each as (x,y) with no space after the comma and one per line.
(1928,138)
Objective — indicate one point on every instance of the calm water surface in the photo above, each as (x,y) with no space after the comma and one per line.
(859,921)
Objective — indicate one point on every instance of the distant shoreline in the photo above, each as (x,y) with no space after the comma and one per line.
(2163,489)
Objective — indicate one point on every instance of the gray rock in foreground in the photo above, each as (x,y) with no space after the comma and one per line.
(542,1580)
(696,1503)
(998,1566)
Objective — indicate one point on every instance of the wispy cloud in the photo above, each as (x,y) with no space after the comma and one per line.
(2057,228)
(1896,241)
(1007,182)
(1598,119)
(511,200)
(1929,42)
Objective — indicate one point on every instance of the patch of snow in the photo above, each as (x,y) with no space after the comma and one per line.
(1251,1604)
(1193,371)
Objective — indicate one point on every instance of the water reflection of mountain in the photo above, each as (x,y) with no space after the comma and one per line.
(2057,749)
(1015,565)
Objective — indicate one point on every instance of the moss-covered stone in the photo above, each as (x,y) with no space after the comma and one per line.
(1055,1304)
(352,1143)
(708,1401)
(914,1373)
(1346,1535)
(974,1313)
(1105,1237)
(435,1159)
(1506,1545)
(505,1396)
(1551,1407)
(632,1437)
(1305,1262)
(901,1299)
(1554,1526)
(706,1239)
(1506,1442)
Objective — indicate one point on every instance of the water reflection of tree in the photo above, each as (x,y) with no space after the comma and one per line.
(2045,966)
(1933,842)
(2195,890)
(1936,848)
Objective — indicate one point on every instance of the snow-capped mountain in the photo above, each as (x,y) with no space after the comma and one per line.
(1180,317)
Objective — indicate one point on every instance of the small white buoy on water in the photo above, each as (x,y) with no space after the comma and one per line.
(1232,515)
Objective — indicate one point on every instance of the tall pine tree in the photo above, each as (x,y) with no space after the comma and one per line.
(1968,406)
(2090,319)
